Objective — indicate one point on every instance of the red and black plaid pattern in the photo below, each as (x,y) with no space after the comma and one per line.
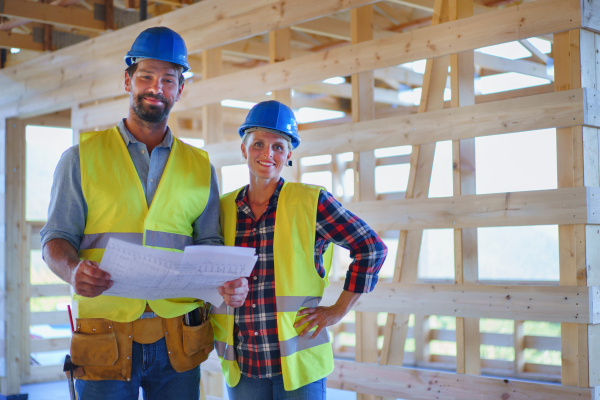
(255,334)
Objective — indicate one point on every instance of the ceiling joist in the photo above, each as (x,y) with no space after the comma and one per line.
(71,16)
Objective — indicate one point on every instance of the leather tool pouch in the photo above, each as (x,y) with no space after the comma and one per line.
(197,338)
(103,348)
(186,344)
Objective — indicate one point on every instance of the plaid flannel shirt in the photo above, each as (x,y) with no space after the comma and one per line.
(255,333)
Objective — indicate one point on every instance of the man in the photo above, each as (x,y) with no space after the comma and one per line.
(138,183)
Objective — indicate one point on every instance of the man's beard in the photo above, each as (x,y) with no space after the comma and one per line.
(150,113)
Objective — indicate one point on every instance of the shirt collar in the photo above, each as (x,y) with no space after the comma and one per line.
(129,138)
(242,199)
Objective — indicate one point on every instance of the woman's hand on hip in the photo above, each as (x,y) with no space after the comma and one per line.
(326,316)
(320,317)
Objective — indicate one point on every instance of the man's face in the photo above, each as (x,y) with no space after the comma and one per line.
(153,89)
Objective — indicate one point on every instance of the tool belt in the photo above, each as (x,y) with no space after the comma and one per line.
(104,348)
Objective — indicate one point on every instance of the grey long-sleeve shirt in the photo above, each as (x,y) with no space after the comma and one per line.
(68,210)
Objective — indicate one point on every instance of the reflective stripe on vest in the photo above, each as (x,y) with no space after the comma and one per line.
(100,240)
(297,285)
(165,240)
(117,208)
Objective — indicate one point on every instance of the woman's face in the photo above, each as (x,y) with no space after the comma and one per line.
(266,154)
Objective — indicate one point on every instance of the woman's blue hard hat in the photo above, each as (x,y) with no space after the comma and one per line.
(159,43)
(272,115)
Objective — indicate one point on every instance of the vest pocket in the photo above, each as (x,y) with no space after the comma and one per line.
(197,338)
(98,350)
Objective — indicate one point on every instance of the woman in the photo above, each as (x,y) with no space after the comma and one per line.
(276,346)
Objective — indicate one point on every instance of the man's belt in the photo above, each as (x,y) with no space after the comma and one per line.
(148,314)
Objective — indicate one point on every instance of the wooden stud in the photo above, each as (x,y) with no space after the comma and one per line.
(109,15)
(465,240)
(212,114)
(519,346)
(361,21)
(409,242)
(568,75)
(280,50)
(15,223)
(48,38)
(25,304)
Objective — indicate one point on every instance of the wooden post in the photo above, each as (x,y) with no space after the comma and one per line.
(25,293)
(212,114)
(212,131)
(363,109)
(15,232)
(575,67)
(4,377)
(463,165)
(48,37)
(109,15)
(519,345)
(409,242)
(280,49)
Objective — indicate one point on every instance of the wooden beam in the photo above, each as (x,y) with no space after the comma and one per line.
(10,40)
(215,23)
(427,5)
(54,344)
(538,55)
(541,207)
(73,17)
(474,32)
(8,25)
(408,383)
(574,304)
(344,91)
(49,317)
(395,381)
(501,64)
(58,289)
(505,116)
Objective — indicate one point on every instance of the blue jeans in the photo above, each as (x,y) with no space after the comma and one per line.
(151,370)
(272,389)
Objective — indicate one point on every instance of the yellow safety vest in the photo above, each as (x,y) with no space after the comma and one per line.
(117,208)
(297,286)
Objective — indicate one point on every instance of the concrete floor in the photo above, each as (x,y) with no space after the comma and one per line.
(60,391)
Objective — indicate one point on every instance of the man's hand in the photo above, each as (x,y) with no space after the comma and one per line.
(89,280)
(234,292)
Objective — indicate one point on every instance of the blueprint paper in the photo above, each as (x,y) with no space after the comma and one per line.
(140,272)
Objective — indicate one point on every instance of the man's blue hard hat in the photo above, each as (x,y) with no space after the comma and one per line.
(272,115)
(159,43)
